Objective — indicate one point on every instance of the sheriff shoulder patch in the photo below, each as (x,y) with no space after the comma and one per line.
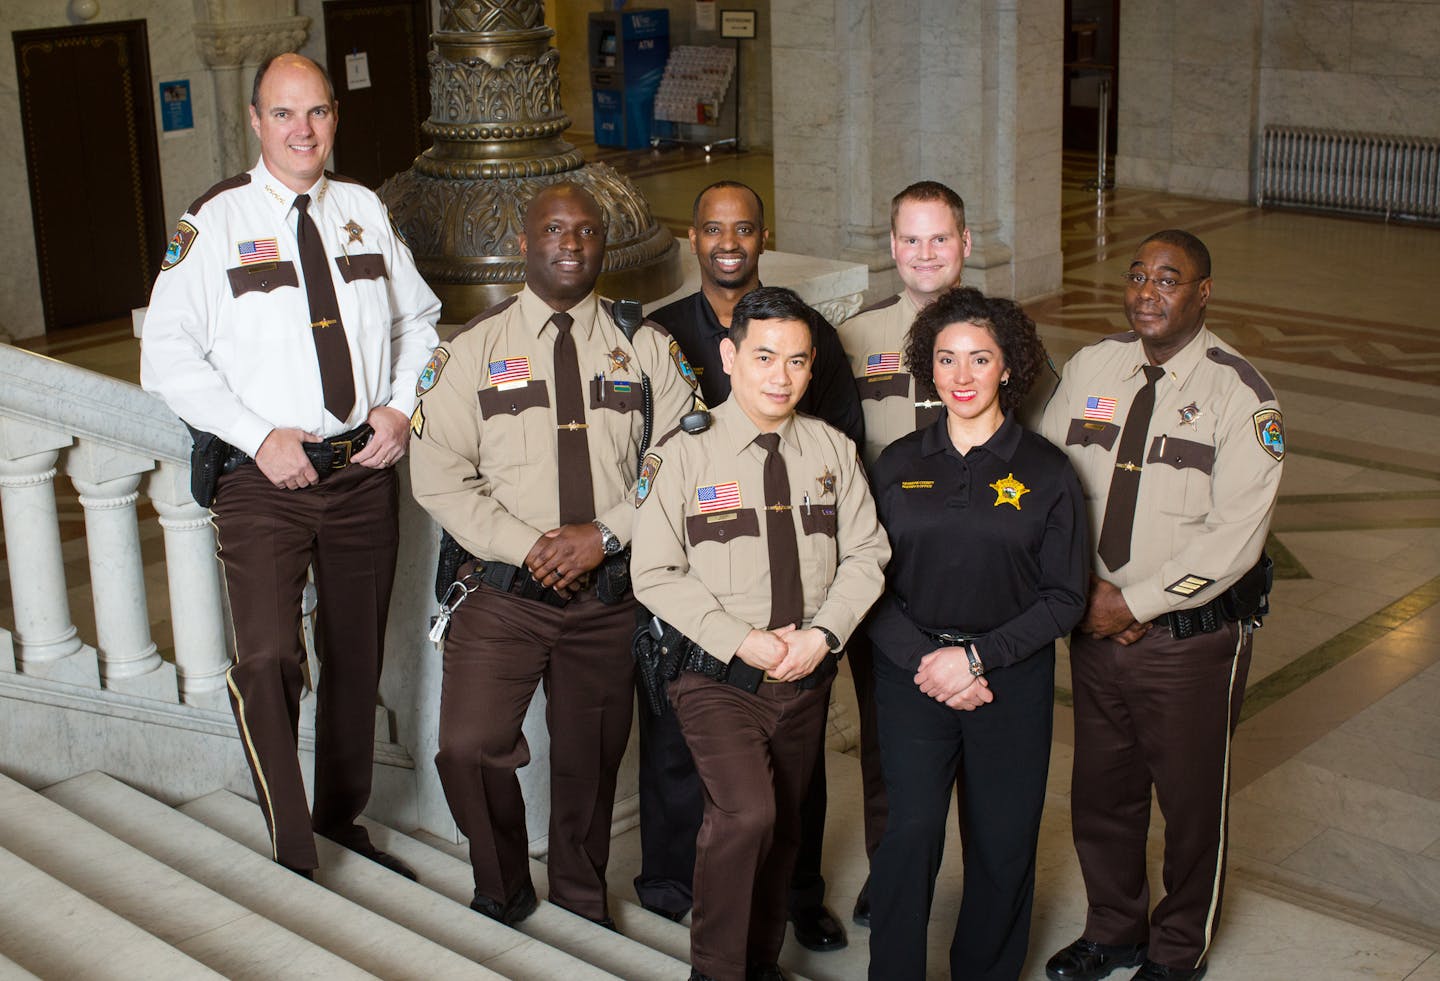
(1270,431)
(683,366)
(648,470)
(430,374)
(179,247)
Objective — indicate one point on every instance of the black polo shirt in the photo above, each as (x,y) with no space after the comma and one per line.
(830,396)
(992,543)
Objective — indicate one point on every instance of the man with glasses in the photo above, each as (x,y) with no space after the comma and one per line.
(1178,442)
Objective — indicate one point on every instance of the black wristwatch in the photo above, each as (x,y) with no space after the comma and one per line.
(977,666)
(832,643)
(608,542)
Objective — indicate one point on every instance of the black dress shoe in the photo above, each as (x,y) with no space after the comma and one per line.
(1150,971)
(1085,960)
(764,972)
(817,929)
(697,976)
(861,916)
(392,863)
(516,908)
(302,873)
(670,915)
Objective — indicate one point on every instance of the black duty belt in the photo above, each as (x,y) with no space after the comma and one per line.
(747,677)
(518,581)
(1201,620)
(327,456)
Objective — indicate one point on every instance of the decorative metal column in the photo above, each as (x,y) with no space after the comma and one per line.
(497,124)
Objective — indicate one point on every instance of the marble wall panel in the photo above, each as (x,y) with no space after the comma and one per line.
(1226,184)
(1215,32)
(1396,39)
(1142,171)
(1307,34)
(1368,103)
(1210,149)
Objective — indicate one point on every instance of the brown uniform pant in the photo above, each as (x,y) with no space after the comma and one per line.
(1161,713)
(269,537)
(755,755)
(500,647)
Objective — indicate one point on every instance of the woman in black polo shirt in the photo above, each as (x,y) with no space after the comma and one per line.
(987,524)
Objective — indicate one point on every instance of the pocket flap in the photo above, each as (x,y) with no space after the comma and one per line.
(618,395)
(368,265)
(513,401)
(818,519)
(263,277)
(1087,432)
(722,527)
(883,386)
(1182,453)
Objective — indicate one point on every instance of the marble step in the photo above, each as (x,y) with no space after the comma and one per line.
(421,907)
(50,930)
(366,940)
(217,932)
(447,870)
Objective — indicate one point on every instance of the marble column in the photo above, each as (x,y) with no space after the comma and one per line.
(232,49)
(48,644)
(197,589)
(872,97)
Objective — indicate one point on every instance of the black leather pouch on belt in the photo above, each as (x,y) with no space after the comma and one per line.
(612,578)
(1249,597)
(659,650)
(207,456)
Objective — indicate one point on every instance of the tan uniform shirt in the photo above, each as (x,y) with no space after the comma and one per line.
(874,341)
(701,560)
(1210,473)
(484,462)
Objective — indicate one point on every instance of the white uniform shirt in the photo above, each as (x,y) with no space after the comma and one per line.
(227,340)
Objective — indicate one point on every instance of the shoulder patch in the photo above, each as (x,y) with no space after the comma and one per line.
(180,242)
(879,304)
(1246,371)
(683,366)
(485,315)
(399,233)
(649,469)
(1189,585)
(1270,431)
(1124,337)
(341,178)
(228,184)
(430,374)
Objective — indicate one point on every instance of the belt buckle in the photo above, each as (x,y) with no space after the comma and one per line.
(343,448)
(771,681)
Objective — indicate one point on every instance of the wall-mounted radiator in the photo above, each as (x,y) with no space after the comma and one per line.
(1357,173)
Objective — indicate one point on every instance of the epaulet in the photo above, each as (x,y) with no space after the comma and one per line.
(1245,370)
(342,179)
(609,307)
(228,184)
(485,315)
(663,439)
(658,328)
(1124,337)
(889,301)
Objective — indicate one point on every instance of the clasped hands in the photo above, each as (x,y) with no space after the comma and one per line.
(562,555)
(945,676)
(281,458)
(785,653)
(1107,615)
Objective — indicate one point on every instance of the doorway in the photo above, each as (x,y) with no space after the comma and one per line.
(95,196)
(1092,57)
(375,51)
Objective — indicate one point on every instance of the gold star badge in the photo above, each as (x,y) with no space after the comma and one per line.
(1009,491)
(618,360)
(1189,414)
(356,232)
(827,481)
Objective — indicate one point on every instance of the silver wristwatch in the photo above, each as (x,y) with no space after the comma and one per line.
(608,542)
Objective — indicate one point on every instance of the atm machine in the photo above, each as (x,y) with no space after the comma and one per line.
(628,51)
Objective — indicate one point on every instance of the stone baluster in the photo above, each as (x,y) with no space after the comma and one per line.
(108,479)
(197,589)
(47,645)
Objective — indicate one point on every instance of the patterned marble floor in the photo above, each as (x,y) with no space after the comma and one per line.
(1336,823)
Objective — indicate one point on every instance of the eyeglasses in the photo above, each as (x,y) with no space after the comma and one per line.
(1165,284)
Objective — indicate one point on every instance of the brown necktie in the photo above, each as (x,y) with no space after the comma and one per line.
(577,492)
(1119,521)
(336,379)
(787,597)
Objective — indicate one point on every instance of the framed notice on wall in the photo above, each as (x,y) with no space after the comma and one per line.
(737,23)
